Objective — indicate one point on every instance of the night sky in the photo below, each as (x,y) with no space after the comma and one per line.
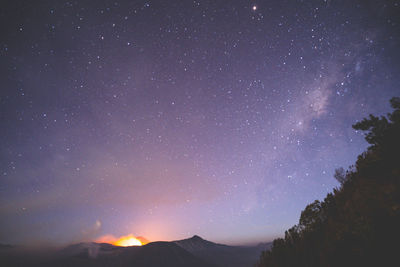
(166,119)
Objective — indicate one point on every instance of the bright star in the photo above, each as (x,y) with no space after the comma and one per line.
(254,8)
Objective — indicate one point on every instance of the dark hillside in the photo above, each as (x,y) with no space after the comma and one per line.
(222,255)
(357,224)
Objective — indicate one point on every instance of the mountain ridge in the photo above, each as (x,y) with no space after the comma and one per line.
(194,252)
(220,254)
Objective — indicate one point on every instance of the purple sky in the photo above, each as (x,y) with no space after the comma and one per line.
(166,119)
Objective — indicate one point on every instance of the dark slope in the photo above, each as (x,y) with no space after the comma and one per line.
(193,252)
(358,223)
(165,254)
(5,246)
(222,255)
(153,254)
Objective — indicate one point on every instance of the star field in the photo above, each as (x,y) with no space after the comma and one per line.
(167,119)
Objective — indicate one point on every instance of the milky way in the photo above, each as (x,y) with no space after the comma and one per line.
(167,119)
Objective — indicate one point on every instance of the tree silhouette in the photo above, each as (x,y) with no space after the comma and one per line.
(357,224)
(340,175)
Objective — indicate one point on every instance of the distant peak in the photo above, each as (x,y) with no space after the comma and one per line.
(197,237)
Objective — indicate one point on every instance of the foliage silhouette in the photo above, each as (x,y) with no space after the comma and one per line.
(359,223)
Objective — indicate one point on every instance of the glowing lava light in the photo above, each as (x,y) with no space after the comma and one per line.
(127,241)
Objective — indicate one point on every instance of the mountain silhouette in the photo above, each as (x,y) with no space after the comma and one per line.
(194,252)
(223,255)
(197,243)
(166,254)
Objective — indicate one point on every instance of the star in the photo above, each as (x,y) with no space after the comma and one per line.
(97,115)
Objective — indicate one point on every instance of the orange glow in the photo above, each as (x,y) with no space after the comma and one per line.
(123,241)
(127,241)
